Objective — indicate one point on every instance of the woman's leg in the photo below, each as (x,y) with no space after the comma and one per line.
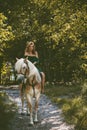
(42,82)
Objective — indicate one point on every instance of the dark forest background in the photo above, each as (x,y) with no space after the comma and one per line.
(59,30)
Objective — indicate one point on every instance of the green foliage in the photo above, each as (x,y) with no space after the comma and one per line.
(59,31)
(5,73)
(5,33)
(71,109)
(73,101)
(75,112)
(84,89)
(82,121)
(56,91)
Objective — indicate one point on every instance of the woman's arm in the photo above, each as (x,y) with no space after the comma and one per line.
(35,63)
(25,53)
(36,53)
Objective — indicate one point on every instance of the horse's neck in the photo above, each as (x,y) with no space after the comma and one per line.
(31,66)
(33,70)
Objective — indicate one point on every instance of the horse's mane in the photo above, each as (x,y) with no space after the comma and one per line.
(33,69)
(19,63)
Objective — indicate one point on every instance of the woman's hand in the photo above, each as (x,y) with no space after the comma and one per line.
(35,63)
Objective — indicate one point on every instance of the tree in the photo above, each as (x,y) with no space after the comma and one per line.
(5,33)
(5,36)
(58,29)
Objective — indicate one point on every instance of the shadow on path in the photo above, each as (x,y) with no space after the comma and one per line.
(49,115)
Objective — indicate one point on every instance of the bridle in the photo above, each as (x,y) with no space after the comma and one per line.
(26,71)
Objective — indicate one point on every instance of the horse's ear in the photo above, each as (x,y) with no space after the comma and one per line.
(17,59)
(25,60)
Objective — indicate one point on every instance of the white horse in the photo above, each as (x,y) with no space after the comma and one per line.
(31,79)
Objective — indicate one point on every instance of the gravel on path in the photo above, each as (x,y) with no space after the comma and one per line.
(49,115)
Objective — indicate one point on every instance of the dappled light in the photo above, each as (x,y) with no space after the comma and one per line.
(7,110)
(49,115)
(58,29)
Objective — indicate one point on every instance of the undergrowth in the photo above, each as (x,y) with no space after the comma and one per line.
(7,111)
(73,101)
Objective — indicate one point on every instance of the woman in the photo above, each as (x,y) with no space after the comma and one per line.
(32,55)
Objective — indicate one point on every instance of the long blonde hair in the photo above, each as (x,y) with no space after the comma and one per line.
(28,45)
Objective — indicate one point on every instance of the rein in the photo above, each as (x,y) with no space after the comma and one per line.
(25,74)
(27,70)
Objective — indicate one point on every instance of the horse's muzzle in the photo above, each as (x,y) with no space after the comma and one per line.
(20,78)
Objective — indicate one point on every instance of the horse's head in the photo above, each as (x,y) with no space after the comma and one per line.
(21,68)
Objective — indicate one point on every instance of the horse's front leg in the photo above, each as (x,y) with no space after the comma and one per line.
(28,112)
(22,101)
(29,96)
(37,96)
(36,109)
(22,97)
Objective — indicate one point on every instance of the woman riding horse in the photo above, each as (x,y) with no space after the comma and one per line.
(32,55)
(32,80)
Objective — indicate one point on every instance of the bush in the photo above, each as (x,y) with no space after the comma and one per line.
(84,89)
(82,122)
(76,113)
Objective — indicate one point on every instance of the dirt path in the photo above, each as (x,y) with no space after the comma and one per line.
(49,115)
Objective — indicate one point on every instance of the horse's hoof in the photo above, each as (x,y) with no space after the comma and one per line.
(22,113)
(31,124)
(36,122)
(28,114)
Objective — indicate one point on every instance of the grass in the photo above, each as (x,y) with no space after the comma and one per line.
(62,94)
(55,92)
(72,103)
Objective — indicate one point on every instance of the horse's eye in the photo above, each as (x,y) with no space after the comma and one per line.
(24,67)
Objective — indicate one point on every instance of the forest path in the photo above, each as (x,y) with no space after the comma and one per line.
(49,114)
